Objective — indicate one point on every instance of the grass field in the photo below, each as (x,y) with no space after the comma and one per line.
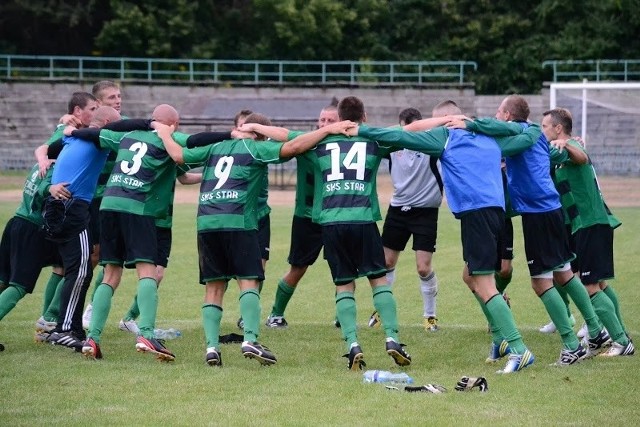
(310,385)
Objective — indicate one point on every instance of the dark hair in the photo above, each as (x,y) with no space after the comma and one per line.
(351,108)
(561,116)
(79,99)
(241,113)
(409,115)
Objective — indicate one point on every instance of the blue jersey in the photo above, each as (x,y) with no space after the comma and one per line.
(529,179)
(471,171)
(79,163)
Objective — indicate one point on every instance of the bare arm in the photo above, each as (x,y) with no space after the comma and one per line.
(190,178)
(430,123)
(274,132)
(308,140)
(43,160)
(172,147)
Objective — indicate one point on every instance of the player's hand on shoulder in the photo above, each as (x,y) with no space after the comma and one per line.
(68,129)
(345,127)
(71,120)
(560,144)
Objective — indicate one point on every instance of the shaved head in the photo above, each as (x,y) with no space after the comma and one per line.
(166,114)
(104,115)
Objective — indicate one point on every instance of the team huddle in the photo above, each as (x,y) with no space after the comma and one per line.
(101,193)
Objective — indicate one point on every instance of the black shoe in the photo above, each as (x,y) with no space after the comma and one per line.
(262,354)
(213,357)
(597,344)
(356,358)
(395,350)
(65,339)
(569,357)
(240,323)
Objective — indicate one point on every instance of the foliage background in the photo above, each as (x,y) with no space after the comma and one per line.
(509,40)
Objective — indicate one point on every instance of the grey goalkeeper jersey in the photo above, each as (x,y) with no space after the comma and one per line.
(417,180)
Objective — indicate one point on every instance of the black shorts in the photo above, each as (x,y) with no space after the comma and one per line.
(127,239)
(164,236)
(352,251)
(505,240)
(94,221)
(403,221)
(480,231)
(264,236)
(306,241)
(229,254)
(546,243)
(24,251)
(594,253)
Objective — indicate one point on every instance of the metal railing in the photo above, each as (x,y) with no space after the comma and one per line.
(16,67)
(595,69)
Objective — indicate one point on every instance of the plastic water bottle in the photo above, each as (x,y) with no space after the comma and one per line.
(167,334)
(387,377)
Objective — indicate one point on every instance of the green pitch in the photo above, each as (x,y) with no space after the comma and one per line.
(310,385)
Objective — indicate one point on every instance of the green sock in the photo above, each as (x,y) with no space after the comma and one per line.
(53,311)
(613,296)
(501,314)
(211,317)
(496,335)
(50,291)
(148,302)
(9,298)
(346,313)
(134,310)
(580,297)
(101,306)
(558,313)
(250,312)
(607,314)
(283,295)
(385,304)
(97,281)
(565,298)
(502,282)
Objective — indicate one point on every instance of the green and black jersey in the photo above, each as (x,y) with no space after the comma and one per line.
(232,180)
(345,172)
(304,183)
(34,193)
(580,194)
(143,176)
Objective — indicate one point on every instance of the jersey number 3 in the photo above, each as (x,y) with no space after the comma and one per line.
(131,168)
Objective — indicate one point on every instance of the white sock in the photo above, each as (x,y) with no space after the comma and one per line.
(429,290)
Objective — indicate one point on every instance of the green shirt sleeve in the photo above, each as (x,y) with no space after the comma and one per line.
(196,155)
(431,142)
(494,127)
(57,135)
(517,144)
(111,139)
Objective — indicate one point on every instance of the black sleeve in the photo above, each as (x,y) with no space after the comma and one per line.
(128,125)
(88,134)
(207,138)
(54,149)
